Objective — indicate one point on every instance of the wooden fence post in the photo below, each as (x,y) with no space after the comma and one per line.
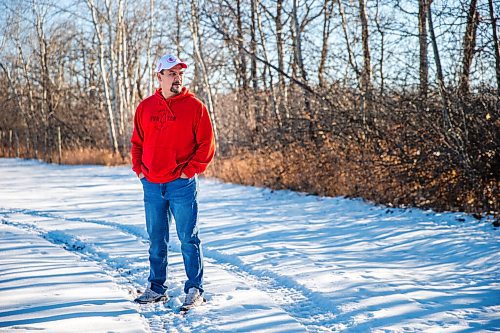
(10,143)
(28,148)
(16,142)
(35,143)
(59,143)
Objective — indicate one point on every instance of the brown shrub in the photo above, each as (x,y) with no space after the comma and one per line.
(333,171)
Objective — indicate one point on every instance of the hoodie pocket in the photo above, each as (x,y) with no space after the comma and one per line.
(160,159)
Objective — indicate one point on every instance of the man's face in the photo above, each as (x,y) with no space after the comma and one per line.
(171,80)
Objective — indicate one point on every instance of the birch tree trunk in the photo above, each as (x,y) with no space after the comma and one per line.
(327,16)
(439,70)
(298,56)
(113,84)
(422,39)
(350,54)
(30,114)
(149,38)
(123,77)
(242,71)
(255,99)
(496,45)
(178,27)
(46,106)
(102,65)
(366,74)
(283,96)
(119,45)
(126,86)
(382,48)
(469,45)
(253,46)
(200,59)
(271,76)
(367,67)
(298,59)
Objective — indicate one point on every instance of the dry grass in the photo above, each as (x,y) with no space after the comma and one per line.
(92,156)
(76,156)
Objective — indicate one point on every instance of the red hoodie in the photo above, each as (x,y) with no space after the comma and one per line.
(171,136)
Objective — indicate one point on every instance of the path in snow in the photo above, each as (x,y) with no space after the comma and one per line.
(124,257)
(44,288)
(276,261)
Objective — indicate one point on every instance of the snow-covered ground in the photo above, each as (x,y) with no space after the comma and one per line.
(73,253)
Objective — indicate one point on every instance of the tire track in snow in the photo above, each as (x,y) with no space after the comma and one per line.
(306,306)
(138,232)
(87,251)
(131,279)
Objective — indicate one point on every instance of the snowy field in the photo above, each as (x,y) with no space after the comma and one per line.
(73,253)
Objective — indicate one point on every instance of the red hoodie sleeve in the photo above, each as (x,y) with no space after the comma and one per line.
(205,146)
(137,140)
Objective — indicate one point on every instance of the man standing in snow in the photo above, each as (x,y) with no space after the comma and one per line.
(172,143)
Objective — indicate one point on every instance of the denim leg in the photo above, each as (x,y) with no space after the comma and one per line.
(157,224)
(182,194)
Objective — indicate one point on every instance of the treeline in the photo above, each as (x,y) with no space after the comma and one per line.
(395,101)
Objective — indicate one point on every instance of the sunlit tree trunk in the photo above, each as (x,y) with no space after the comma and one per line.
(381,31)
(496,45)
(283,95)
(439,69)
(46,106)
(350,53)
(366,74)
(366,77)
(422,39)
(468,46)
(200,59)
(253,44)
(274,96)
(149,38)
(327,16)
(102,65)
(298,59)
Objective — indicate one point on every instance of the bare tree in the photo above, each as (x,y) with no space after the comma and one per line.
(290,77)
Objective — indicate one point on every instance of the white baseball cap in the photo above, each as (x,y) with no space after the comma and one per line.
(168,61)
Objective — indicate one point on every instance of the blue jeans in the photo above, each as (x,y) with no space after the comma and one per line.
(178,200)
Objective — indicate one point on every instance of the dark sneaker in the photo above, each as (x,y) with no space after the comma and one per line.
(150,296)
